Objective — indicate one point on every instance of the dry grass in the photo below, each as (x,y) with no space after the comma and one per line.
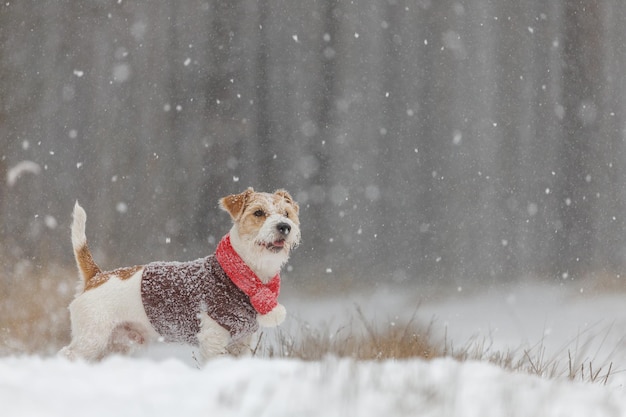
(603,283)
(534,361)
(364,341)
(33,309)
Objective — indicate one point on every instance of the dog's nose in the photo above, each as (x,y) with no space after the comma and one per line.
(283,228)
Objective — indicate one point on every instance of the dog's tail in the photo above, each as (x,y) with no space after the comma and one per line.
(86,265)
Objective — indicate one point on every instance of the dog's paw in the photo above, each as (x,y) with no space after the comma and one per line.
(272,319)
(67,353)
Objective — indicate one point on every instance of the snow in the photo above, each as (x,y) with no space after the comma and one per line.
(257,387)
(165,383)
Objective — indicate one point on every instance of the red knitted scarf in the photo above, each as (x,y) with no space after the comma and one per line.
(263,297)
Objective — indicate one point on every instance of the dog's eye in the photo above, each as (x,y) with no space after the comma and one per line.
(286,214)
(259,213)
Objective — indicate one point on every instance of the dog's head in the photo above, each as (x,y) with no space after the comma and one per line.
(265,229)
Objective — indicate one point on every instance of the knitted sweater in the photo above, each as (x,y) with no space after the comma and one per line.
(175,293)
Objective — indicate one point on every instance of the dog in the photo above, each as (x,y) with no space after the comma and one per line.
(216,303)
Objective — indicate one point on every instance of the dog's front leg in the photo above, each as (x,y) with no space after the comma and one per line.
(212,338)
(242,347)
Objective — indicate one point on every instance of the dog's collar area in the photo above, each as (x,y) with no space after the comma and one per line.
(263,297)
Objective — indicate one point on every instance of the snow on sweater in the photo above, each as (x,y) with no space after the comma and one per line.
(175,293)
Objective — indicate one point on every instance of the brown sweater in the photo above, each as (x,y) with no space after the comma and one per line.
(175,293)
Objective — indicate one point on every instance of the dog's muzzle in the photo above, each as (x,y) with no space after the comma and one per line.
(283,229)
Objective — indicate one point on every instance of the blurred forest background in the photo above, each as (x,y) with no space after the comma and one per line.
(425,140)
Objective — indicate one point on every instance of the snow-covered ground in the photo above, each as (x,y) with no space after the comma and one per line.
(253,387)
(553,319)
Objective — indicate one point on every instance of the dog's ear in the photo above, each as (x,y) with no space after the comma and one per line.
(236,203)
(284,194)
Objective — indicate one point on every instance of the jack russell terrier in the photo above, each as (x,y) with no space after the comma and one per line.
(216,303)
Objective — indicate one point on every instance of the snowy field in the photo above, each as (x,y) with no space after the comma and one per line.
(253,387)
(560,322)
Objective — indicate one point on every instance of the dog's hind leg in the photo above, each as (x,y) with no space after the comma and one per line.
(90,346)
(83,350)
(92,329)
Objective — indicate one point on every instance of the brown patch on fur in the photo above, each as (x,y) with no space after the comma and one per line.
(125,337)
(287,204)
(102,277)
(284,194)
(236,203)
(86,264)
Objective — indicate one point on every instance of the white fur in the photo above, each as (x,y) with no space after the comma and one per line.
(79,239)
(97,312)
(251,250)
(212,337)
(265,264)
